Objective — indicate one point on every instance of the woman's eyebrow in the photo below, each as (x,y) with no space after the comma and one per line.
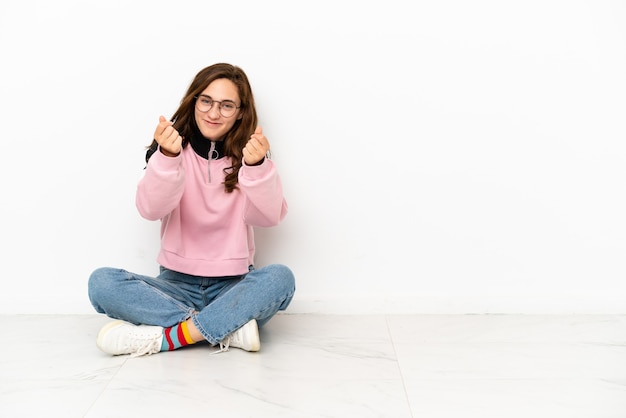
(209,97)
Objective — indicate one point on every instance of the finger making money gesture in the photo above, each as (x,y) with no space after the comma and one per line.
(168,138)
(256,148)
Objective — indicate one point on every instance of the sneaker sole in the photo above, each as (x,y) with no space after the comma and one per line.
(104,330)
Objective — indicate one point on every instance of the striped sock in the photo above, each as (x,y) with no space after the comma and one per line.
(176,337)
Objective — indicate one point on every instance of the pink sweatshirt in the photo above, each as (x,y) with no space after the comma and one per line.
(204,230)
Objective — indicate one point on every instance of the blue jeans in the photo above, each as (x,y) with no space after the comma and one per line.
(217,305)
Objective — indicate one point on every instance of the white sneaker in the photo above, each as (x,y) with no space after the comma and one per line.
(246,338)
(120,337)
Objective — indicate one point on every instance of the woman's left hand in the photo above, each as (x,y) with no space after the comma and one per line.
(256,148)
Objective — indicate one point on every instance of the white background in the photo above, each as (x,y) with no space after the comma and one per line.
(437,156)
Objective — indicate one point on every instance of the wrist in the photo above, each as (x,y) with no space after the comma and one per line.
(257,163)
(167,153)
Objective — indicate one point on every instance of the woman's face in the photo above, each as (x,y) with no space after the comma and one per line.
(210,118)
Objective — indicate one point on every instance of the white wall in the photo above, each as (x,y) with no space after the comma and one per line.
(437,156)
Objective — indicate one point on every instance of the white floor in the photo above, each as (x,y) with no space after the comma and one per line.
(309,366)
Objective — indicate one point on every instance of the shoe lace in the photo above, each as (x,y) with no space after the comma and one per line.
(236,338)
(224,346)
(141,347)
(233,338)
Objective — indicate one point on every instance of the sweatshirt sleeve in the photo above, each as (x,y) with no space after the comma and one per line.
(160,189)
(265,204)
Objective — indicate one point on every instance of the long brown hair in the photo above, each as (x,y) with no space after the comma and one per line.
(236,139)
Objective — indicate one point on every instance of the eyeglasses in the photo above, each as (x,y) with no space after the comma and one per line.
(227,108)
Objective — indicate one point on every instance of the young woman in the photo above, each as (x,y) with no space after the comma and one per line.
(209,181)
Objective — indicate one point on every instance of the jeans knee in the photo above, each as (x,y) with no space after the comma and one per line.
(284,275)
(97,277)
(99,283)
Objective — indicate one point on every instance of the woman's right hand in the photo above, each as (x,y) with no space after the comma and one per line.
(168,138)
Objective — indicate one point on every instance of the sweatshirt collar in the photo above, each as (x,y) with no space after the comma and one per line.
(202,145)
